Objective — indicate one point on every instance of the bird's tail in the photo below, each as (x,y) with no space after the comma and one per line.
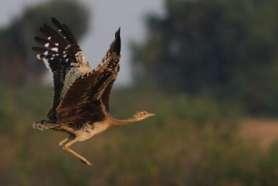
(44,125)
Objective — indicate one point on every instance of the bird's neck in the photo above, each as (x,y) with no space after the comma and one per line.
(118,122)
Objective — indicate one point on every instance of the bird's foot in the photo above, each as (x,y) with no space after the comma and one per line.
(61,143)
(38,126)
(86,162)
(42,125)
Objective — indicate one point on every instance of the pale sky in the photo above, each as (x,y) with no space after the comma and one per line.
(107,15)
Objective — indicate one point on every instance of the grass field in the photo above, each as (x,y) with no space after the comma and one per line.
(263,131)
(190,141)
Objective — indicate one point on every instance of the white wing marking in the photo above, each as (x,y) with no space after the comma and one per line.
(72,76)
(45,61)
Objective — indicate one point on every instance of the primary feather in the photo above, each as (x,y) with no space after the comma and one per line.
(79,90)
(81,94)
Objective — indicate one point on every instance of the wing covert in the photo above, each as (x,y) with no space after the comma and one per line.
(110,64)
(82,101)
(59,50)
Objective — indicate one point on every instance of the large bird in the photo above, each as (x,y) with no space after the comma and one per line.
(81,94)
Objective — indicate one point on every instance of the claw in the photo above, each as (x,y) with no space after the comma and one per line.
(42,125)
(38,126)
(86,162)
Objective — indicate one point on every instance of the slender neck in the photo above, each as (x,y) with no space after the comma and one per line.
(118,122)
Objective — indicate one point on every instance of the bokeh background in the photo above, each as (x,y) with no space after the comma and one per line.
(207,68)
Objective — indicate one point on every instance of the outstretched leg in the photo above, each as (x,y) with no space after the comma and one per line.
(64,141)
(61,143)
(66,147)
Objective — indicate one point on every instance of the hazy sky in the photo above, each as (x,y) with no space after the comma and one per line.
(107,15)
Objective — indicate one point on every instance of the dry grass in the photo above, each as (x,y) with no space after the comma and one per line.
(262,131)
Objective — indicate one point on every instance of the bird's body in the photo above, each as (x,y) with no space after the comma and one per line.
(81,93)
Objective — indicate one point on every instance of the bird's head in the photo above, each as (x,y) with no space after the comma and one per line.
(142,115)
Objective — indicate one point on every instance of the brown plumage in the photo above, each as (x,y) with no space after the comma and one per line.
(81,94)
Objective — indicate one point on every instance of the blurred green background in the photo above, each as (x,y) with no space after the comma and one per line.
(207,68)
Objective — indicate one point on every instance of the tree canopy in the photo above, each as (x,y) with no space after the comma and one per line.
(221,48)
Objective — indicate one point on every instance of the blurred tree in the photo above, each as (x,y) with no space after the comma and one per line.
(216,47)
(16,58)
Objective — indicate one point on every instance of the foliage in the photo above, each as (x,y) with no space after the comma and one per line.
(226,49)
(170,149)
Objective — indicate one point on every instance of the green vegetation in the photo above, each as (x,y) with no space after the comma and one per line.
(191,141)
(222,48)
(218,63)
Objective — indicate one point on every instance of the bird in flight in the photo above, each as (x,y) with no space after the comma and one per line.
(81,94)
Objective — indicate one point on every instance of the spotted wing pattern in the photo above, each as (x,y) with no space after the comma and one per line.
(84,100)
(60,51)
(81,103)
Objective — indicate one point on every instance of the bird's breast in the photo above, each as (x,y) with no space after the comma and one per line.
(90,130)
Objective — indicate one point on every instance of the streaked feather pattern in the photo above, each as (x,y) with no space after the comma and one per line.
(59,49)
(81,93)
(81,100)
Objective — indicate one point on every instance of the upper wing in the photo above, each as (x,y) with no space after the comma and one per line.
(82,101)
(110,63)
(87,98)
(59,49)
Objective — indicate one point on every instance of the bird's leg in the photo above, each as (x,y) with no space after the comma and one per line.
(68,129)
(61,143)
(66,147)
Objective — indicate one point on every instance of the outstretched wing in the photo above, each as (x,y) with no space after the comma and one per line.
(82,102)
(110,63)
(60,51)
(87,98)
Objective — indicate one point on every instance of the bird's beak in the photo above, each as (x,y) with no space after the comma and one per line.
(151,114)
